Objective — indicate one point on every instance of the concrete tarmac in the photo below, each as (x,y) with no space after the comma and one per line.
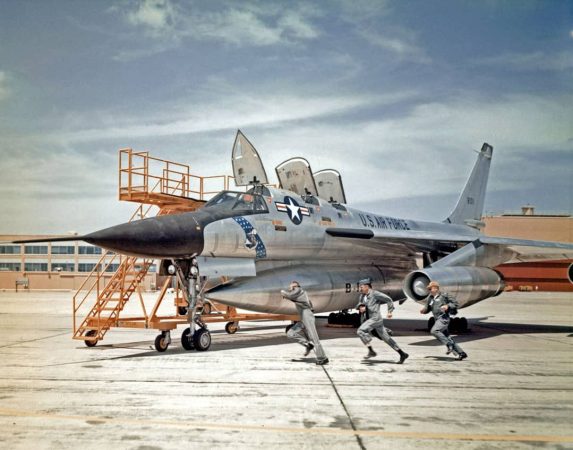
(255,390)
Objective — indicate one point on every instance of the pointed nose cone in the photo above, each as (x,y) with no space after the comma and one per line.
(176,236)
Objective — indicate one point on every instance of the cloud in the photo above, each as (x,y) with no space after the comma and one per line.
(4,89)
(401,43)
(169,24)
(534,61)
(156,15)
(235,110)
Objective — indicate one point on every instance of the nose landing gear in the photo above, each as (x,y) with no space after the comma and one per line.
(197,336)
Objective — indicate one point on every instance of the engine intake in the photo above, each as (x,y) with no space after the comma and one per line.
(468,285)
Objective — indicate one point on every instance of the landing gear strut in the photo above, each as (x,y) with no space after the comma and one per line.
(197,336)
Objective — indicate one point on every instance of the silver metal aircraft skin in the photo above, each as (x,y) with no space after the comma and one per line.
(247,246)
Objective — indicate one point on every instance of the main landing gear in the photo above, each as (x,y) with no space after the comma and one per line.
(457,324)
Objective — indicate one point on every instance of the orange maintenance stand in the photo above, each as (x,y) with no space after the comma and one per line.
(171,188)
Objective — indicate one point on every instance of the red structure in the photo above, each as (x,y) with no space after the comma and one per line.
(538,276)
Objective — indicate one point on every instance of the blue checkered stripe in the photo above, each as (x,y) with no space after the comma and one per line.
(261,251)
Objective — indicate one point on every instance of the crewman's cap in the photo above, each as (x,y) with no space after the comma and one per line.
(432,284)
(365,281)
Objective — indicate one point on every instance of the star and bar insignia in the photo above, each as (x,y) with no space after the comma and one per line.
(292,208)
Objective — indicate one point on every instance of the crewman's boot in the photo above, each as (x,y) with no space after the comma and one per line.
(462,355)
(309,348)
(322,362)
(371,353)
(403,356)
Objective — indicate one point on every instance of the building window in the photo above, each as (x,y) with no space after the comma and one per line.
(9,249)
(9,267)
(89,250)
(36,267)
(112,268)
(152,268)
(36,250)
(86,267)
(63,267)
(63,249)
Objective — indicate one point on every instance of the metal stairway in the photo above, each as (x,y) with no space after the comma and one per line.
(112,299)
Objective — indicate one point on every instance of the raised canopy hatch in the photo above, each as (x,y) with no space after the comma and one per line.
(247,165)
(295,175)
(329,185)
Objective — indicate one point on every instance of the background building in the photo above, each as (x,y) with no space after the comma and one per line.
(56,265)
(543,276)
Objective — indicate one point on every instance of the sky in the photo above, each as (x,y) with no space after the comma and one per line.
(395,95)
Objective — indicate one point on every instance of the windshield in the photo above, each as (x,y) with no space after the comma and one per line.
(238,201)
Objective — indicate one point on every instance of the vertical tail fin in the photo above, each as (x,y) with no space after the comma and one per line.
(469,208)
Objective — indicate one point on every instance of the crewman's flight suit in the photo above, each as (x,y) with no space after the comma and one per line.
(373,300)
(306,324)
(440,328)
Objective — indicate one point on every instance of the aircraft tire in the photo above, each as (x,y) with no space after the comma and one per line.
(185,342)
(232,327)
(160,344)
(202,340)
(91,343)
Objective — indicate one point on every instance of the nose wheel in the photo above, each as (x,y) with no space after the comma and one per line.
(200,341)
(197,336)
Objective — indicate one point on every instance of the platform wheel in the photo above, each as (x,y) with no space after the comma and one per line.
(185,342)
(182,310)
(232,327)
(202,340)
(90,333)
(161,343)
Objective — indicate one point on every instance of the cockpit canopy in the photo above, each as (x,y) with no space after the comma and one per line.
(239,202)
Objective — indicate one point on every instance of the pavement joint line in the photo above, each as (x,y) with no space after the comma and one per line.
(358,439)
(327,431)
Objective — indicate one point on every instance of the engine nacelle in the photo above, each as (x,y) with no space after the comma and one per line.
(468,285)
